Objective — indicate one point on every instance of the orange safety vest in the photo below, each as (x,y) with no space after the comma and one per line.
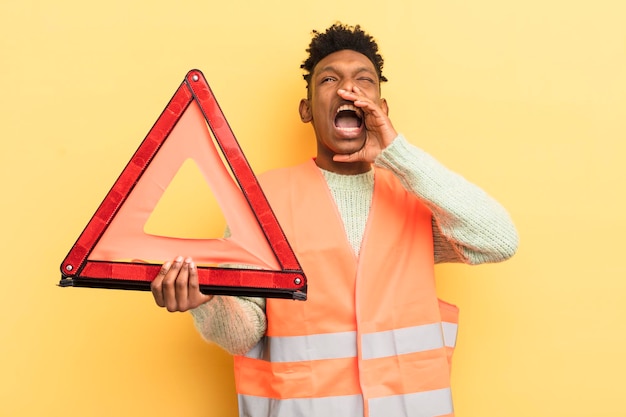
(372,339)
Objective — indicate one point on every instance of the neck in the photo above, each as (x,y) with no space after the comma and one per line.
(343,168)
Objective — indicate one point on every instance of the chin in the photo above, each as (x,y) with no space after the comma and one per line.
(351,145)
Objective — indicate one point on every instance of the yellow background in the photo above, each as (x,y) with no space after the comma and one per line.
(525,98)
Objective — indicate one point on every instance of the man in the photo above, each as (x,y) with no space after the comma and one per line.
(367,219)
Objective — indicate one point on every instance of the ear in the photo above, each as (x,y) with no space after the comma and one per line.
(305,111)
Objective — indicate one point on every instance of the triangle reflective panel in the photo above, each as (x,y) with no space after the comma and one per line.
(115,251)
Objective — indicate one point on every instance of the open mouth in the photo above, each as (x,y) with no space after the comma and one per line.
(348,117)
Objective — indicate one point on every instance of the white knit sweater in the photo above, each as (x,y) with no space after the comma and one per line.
(468,226)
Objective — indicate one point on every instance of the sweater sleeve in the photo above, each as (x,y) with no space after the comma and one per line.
(234,323)
(468,225)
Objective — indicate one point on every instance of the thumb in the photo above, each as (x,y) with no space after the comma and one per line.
(346,157)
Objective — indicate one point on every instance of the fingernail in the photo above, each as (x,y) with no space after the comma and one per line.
(179,259)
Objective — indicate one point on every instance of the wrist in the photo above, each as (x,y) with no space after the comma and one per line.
(388,138)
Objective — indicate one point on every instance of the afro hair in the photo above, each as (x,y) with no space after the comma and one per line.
(339,37)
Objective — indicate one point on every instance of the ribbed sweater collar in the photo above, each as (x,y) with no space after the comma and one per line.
(363,181)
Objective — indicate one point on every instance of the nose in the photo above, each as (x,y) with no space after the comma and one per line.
(347,84)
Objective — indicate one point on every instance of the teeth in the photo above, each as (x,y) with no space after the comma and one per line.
(351,107)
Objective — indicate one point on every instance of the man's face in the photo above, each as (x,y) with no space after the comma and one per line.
(339,125)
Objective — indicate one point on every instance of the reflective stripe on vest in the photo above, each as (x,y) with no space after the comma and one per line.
(434,403)
(449,333)
(343,345)
(372,339)
(421,404)
(250,406)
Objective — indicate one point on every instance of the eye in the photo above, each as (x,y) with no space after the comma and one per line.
(327,80)
(367,80)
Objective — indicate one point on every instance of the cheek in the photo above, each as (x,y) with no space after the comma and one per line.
(320,115)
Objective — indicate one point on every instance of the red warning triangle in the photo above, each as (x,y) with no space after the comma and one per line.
(114,251)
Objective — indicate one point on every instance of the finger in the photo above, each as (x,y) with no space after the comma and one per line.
(194,281)
(194,287)
(359,93)
(169,285)
(366,104)
(346,158)
(156,286)
(368,107)
(181,284)
(354,96)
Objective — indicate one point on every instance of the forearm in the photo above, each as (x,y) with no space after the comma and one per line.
(234,323)
(468,225)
